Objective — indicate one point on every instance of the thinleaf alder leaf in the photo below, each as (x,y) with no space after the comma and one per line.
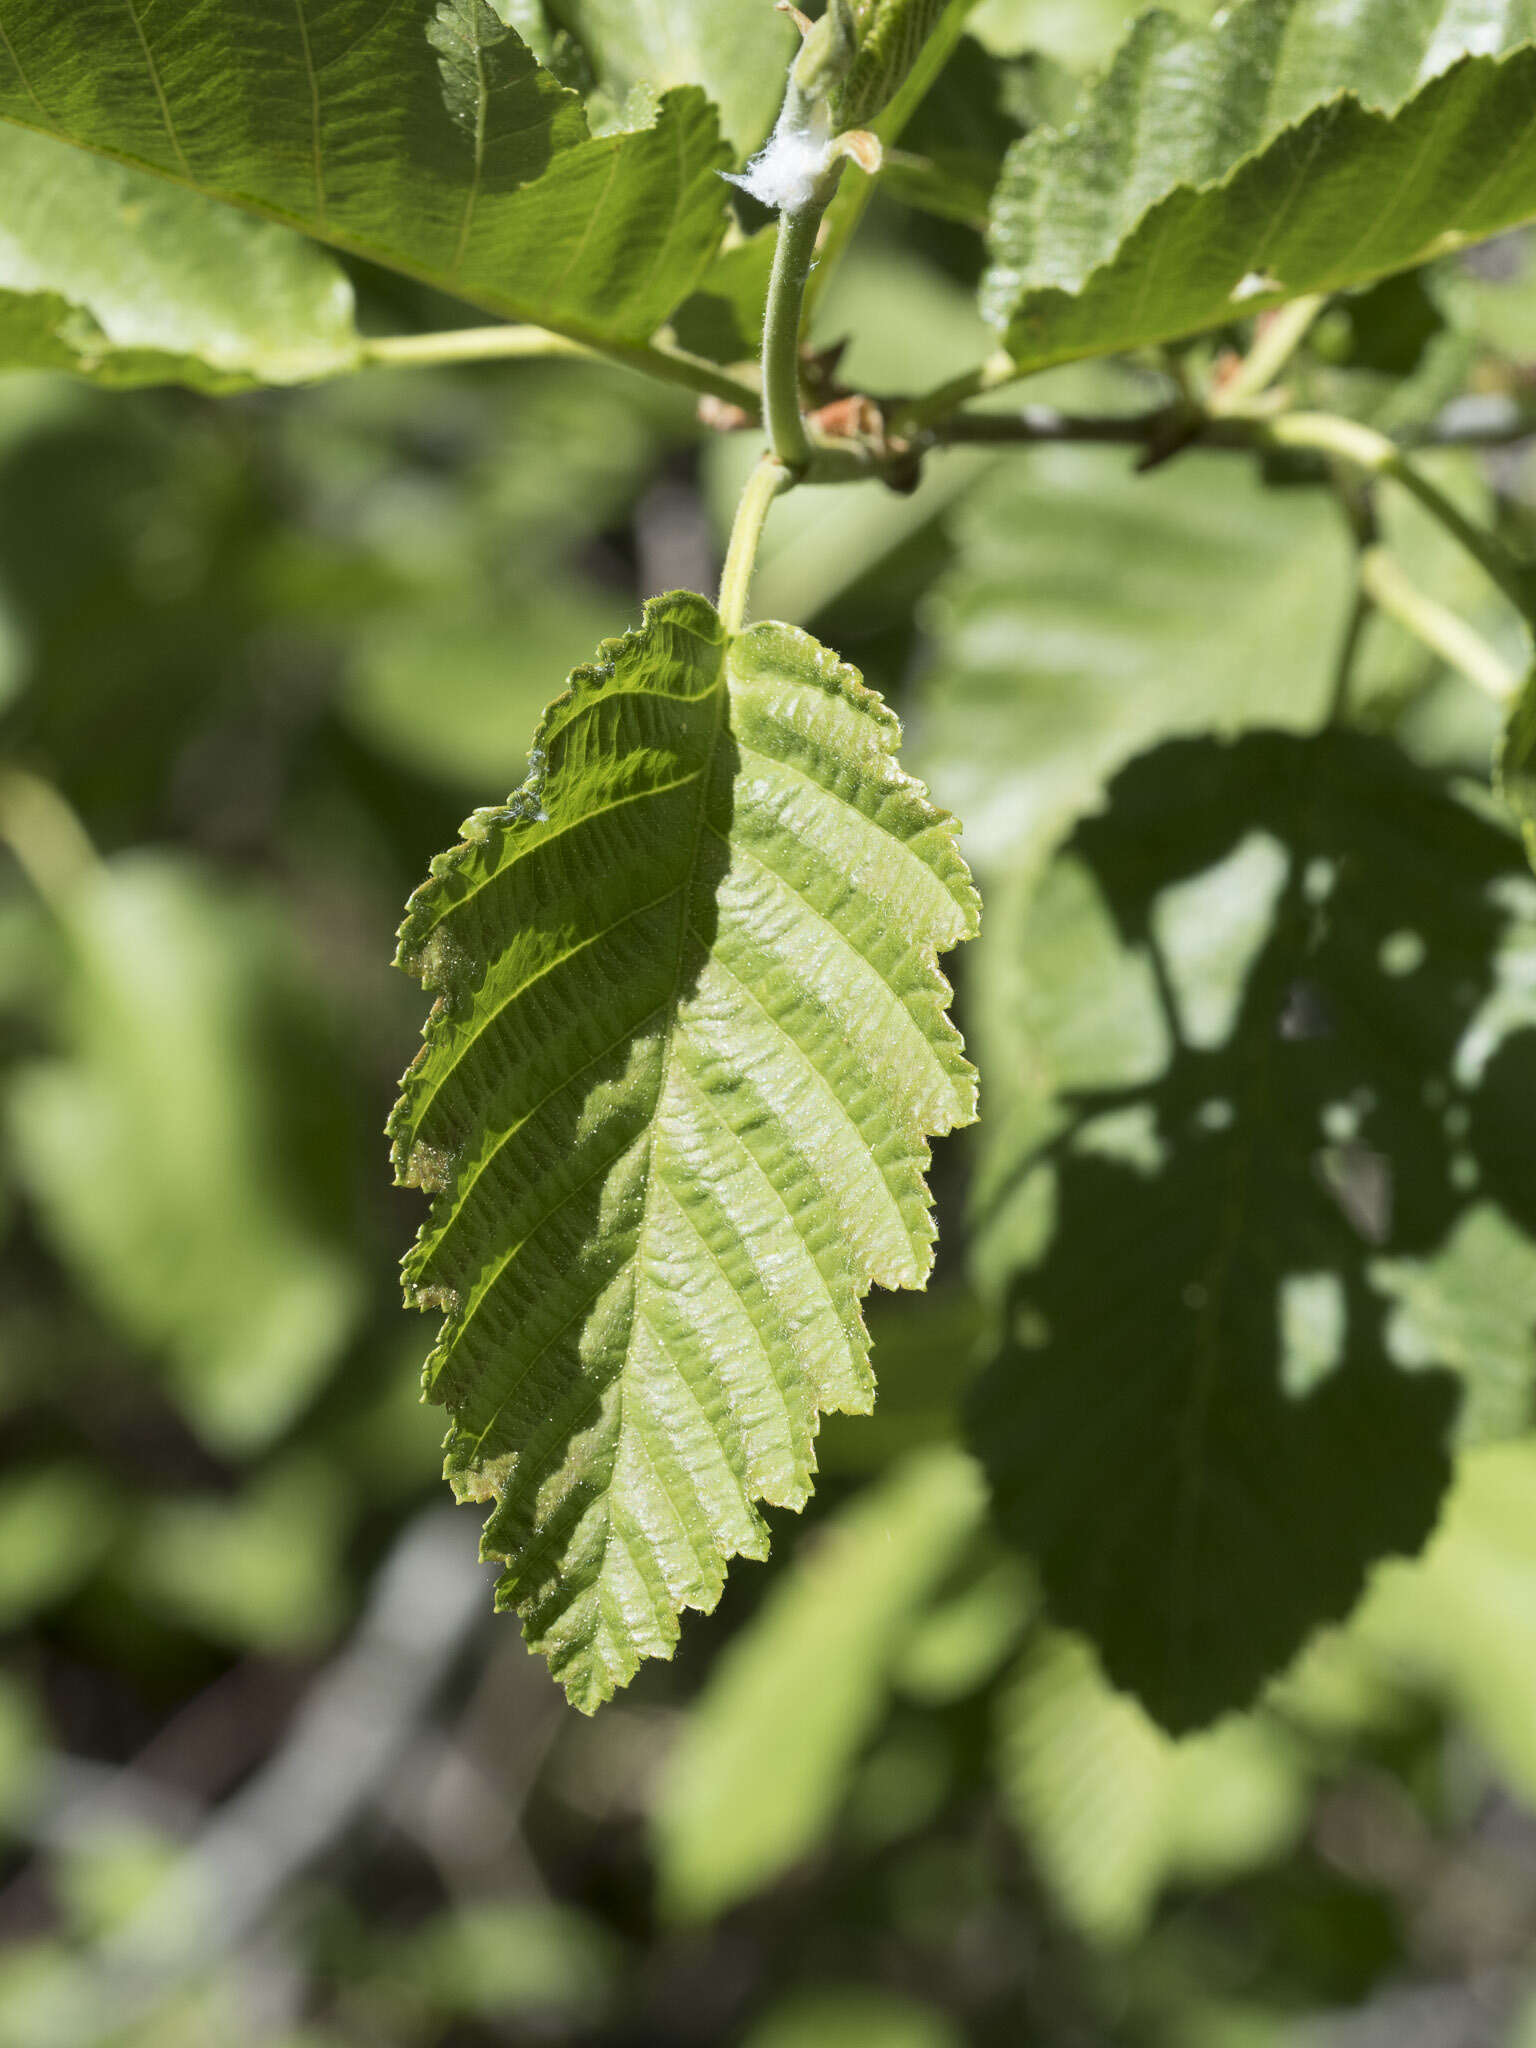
(423,135)
(1299,146)
(688,1047)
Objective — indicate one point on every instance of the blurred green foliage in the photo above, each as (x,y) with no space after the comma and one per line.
(257,656)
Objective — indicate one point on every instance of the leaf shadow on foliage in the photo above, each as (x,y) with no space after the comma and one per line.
(1196,1422)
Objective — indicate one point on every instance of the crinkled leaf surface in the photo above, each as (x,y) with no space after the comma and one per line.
(764,1762)
(1259,1055)
(422,135)
(118,276)
(1299,146)
(688,1047)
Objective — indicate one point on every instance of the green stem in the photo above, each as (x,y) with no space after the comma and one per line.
(917,415)
(498,344)
(1361,608)
(470,345)
(1272,350)
(1394,593)
(1364,449)
(1275,341)
(767,480)
(792,260)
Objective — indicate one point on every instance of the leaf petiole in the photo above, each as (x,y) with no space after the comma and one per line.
(792,260)
(1363,448)
(1276,340)
(766,482)
(498,344)
(1395,595)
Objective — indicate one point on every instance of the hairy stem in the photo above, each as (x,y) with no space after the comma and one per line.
(1395,594)
(767,480)
(792,262)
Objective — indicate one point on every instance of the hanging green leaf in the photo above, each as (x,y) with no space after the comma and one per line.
(424,136)
(688,1046)
(1293,148)
(120,277)
(1264,1043)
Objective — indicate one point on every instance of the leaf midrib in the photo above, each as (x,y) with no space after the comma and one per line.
(669,1008)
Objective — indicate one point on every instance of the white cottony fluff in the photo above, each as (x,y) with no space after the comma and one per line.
(787,170)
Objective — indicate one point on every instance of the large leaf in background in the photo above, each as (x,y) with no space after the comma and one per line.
(1079,33)
(738,50)
(423,136)
(1077,627)
(454,688)
(163,1153)
(1299,146)
(1257,1055)
(763,1763)
(1113,1809)
(118,276)
(688,1047)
